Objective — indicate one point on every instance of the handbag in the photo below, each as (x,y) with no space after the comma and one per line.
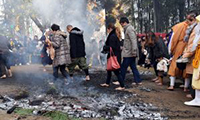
(52,52)
(112,63)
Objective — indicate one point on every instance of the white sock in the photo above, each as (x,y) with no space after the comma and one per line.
(172,81)
(187,82)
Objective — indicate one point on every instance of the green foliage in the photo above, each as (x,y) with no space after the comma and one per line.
(59,116)
(21,111)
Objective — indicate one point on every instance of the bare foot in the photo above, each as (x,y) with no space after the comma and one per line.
(104,85)
(188,96)
(181,86)
(134,83)
(120,88)
(186,90)
(3,77)
(160,84)
(139,83)
(44,70)
(10,73)
(171,88)
(116,83)
(153,80)
(87,78)
(157,81)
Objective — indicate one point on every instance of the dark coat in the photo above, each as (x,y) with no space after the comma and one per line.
(77,45)
(62,54)
(158,50)
(113,42)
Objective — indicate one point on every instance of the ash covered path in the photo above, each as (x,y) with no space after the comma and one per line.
(88,100)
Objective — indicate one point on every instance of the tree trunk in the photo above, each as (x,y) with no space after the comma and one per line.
(181,8)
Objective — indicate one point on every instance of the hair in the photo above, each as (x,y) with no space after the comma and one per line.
(111,26)
(55,27)
(192,13)
(69,26)
(151,38)
(117,30)
(124,20)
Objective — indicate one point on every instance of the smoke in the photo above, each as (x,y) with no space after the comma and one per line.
(76,13)
(65,12)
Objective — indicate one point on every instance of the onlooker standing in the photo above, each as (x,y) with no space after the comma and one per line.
(4,60)
(62,53)
(77,51)
(130,51)
(113,41)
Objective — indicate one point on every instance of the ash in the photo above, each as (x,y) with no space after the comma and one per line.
(81,99)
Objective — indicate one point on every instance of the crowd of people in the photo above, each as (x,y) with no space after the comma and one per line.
(177,56)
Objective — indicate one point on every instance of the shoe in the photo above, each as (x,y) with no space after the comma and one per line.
(193,103)
(182,60)
(104,85)
(3,77)
(116,83)
(120,88)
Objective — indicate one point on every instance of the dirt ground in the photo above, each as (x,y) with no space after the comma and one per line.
(170,103)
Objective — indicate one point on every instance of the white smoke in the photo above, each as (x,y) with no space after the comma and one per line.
(74,12)
(62,12)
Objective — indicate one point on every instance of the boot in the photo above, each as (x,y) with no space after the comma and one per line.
(195,101)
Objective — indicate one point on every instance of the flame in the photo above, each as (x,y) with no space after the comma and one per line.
(98,16)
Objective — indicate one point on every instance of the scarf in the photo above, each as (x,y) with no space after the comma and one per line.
(189,31)
(197,37)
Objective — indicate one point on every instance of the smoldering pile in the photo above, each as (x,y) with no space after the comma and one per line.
(92,105)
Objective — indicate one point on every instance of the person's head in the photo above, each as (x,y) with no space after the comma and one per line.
(55,28)
(124,21)
(36,37)
(69,28)
(191,17)
(110,27)
(151,38)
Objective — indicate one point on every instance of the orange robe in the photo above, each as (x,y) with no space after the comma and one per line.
(177,46)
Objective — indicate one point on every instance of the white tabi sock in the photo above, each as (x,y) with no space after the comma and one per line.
(187,82)
(172,81)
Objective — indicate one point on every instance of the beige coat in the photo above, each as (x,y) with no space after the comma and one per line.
(177,46)
(130,48)
(188,54)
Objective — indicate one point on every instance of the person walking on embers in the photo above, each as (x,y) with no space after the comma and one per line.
(62,53)
(113,41)
(77,51)
(130,51)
